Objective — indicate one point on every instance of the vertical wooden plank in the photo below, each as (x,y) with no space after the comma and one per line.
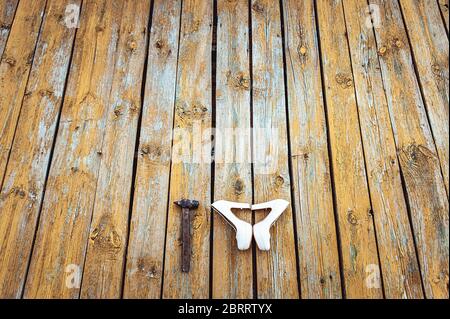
(15,67)
(191,175)
(23,188)
(400,270)
(232,269)
(105,257)
(443,5)
(429,44)
(417,153)
(63,232)
(7,12)
(276,269)
(357,234)
(148,221)
(316,231)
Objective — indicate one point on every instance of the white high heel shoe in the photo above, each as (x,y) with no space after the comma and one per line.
(261,230)
(243,229)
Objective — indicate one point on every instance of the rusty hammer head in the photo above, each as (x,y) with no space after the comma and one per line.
(187,203)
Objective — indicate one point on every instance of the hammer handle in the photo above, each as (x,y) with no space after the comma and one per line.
(186,239)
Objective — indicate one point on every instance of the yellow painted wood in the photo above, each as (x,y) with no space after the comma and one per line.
(7,12)
(276,269)
(416,151)
(400,269)
(316,228)
(105,258)
(61,241)
(232,269)
(144,268)
(190,176)
(15,66)
(353,207)
(25,175)
(430,47)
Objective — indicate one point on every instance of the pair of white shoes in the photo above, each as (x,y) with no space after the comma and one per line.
(244,230)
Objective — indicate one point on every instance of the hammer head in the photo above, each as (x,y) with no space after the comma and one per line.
(187,203)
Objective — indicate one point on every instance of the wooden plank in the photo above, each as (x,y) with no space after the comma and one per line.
(430,47)
(148,221)
(232,269)
(316,231)
(355,219)
(62,237)
(7,12)
(276,269)
(400,269)
(191,175)
(417,153)
(23,188)
(443,5)
(105,257)
(15,67)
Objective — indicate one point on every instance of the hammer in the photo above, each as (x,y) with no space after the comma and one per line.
(186,206)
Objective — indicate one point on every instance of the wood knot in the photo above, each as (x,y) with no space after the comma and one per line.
(382,51)
(132,44)
(159,44)
(258,7)
(398,43)
(99,28)
(46,93)
(302,50)
(10,61)
(117,111)
(351,218)
(344,80)
(279,181)
(238,186)
(17,191)
(4,26)
(239,80)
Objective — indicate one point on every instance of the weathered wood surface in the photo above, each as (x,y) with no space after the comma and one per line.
(7,12)
(232,269)
(72,182)
(313,201)
(103,270)
(417,153)
(399,266)
(443,5)
(276,269)
(357,128)
(143,278)
(430,47)
(353,207)
(15,66)
(22,189)
(190,175)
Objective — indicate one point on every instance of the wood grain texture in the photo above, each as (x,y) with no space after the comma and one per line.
(22,190)
(354,211)
(417,154)
(443,5)
(276,269)
(72,182)
(191,174)
(313,201)
(15,67)
(105,257)
(7,12)
(144,269)
(430,47)
(232,268)
(400,269)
